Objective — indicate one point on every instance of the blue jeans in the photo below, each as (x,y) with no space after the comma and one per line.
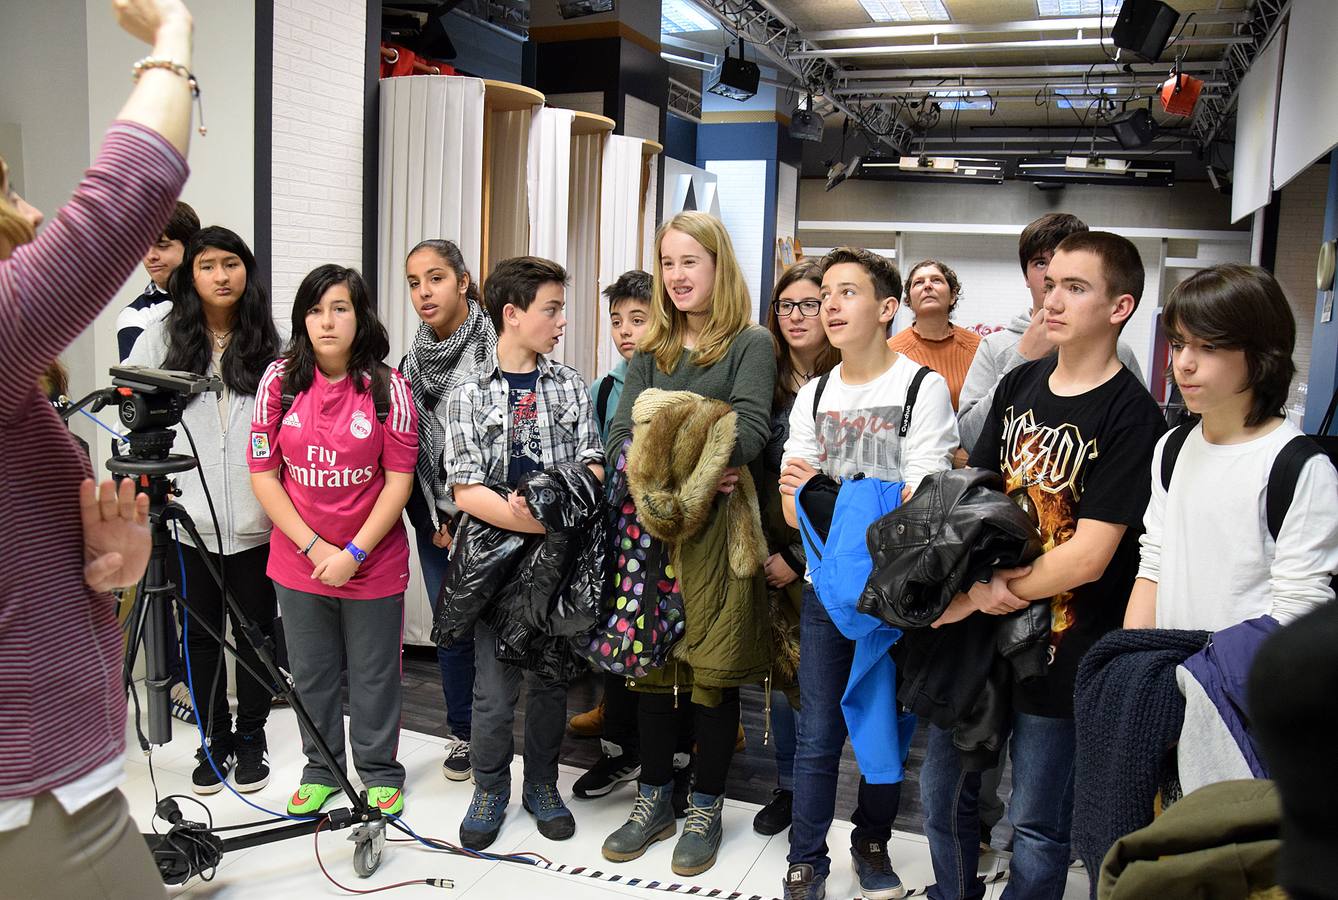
(825,656)
(1041,812)
(456,661)
(783,725)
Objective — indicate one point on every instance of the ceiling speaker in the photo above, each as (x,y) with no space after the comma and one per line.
(1144,27)
(1134,130)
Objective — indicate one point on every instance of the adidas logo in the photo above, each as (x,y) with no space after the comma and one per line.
(292,420)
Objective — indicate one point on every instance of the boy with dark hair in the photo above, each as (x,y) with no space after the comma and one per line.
(160,262)
(844,433)
(614,720)
(1025,337)
(517,414)
(1072,435)
(1232,334)
(629,314)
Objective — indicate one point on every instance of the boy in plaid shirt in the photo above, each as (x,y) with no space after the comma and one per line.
(516,414)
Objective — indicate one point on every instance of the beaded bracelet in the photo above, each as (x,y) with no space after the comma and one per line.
(153,62)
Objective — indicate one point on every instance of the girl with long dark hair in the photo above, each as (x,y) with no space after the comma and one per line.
(454,337)
(220,324)
(334,442)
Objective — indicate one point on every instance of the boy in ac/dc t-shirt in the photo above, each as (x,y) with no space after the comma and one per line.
(1072,435)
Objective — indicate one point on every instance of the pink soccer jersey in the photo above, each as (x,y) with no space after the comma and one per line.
(332,454)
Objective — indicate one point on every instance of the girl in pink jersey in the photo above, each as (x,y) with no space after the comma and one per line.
(332,452)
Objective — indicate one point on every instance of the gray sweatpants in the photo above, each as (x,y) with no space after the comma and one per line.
(496,696)
(320,633)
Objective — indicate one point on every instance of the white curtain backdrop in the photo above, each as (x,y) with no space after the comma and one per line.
(619,227)
(431,183)
(585,307)
(508,154)
(548,173)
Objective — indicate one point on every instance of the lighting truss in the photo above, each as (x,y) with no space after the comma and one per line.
(1214,110)
(685,101)
(777,38)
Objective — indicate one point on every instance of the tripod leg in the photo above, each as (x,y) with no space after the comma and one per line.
(264,648)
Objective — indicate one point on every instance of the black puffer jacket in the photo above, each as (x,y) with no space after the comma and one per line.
(955,530)
(534,591)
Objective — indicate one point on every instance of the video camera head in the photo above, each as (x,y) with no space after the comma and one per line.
(150,399)
(149,402)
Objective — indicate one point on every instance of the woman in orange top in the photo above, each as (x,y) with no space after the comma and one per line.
(933,291)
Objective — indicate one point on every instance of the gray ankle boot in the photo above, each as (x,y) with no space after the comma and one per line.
(696,849)
(652,820)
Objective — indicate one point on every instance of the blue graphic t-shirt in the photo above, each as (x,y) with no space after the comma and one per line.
(525,452)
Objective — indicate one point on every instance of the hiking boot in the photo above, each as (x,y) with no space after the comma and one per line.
(456,766)
(252,761)
(611,769)
(873,868)
(802,884)
(651,820)
(182,708)
(683,775)
(775,816)
(486,811)
(208,779)
(545,803)
(697,847)
(390,800)
(588,724)
(308,799)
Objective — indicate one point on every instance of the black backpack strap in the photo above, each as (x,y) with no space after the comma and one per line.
(817,394)
(381,392)
(1282,478)
(286,403)
(1171,449)
(602,400)
(911,393)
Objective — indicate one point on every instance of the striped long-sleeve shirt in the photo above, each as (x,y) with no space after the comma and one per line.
(62,706)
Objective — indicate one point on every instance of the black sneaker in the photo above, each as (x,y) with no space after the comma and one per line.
(802,884)
(775,816)
(252,761)
(683,773)
(611,769)
(204,780)
(456,765)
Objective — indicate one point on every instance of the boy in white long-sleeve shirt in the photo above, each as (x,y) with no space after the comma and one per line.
(1208,560)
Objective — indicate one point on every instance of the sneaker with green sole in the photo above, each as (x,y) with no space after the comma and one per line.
(308,799)
(390,800)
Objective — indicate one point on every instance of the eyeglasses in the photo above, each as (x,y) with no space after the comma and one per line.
(807,308)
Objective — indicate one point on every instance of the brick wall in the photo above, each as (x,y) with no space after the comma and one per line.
(1300,230)
(319,51)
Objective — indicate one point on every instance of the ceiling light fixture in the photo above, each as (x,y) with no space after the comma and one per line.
(683,17)
(905,10)
(1077,7)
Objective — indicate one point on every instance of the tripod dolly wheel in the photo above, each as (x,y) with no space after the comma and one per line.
(369,839)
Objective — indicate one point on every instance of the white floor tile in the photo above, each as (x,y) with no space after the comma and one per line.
(748,862)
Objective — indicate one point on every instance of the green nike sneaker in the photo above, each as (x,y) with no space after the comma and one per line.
(390,800)
(309,798)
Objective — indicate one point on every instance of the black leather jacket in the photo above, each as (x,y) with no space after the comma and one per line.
(955,530)
(535,591)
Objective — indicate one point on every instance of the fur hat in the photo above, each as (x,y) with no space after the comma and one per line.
(681,444)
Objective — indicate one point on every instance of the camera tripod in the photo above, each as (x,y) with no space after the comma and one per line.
(151,466)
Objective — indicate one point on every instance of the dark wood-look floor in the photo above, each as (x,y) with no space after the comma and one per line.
(752,776)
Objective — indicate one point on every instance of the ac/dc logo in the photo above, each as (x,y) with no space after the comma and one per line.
(1051,458)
